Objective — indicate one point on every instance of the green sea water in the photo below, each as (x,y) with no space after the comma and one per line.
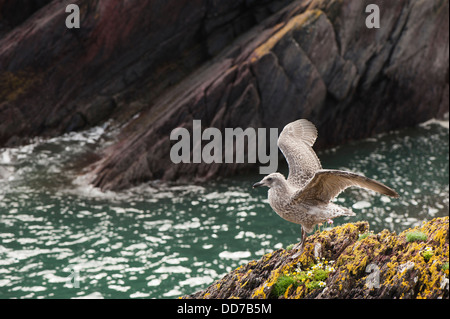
(60,238)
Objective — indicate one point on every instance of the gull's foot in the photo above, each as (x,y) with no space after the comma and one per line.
(298,247)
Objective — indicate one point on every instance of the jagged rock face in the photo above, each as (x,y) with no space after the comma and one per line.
(317,64)
(401,268)
(14,12)
(310,59)
(54,79)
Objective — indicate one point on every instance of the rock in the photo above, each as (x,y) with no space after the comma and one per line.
(311,60)
(14,12)
(382,265)
(228,64)
(128,52)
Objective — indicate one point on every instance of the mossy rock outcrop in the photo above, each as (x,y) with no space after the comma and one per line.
(366,265)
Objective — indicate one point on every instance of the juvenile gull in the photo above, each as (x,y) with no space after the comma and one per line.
(305,197)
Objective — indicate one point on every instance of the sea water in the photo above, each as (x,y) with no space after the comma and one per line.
(60,238)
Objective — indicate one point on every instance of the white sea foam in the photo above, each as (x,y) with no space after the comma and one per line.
(443,123)
(234,254)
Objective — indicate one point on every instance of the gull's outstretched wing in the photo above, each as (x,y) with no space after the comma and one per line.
(327,184)
(295,142)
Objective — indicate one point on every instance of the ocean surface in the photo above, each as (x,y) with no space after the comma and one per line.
(62,239)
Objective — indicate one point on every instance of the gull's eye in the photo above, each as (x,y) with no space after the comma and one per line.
(269,179)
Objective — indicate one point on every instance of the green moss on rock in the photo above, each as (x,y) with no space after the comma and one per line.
(415,236)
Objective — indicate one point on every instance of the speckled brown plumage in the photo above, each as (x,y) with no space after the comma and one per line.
(305,196)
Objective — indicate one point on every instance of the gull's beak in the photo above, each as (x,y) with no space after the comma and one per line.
(258,184)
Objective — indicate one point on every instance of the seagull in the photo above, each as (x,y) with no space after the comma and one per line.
(305,197)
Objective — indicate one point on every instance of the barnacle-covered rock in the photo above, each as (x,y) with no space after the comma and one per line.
(383,265)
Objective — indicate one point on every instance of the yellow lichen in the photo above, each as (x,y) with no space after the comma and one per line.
(286,293)
(12,85)
(293,24)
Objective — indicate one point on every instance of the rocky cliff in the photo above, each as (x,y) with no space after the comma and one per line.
(154,66)
(348,262)
(54,79)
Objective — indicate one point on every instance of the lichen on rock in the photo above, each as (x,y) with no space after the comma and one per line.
(383,265)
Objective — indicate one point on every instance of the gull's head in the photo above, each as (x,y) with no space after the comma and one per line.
(271,180)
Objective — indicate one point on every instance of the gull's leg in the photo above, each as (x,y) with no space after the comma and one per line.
(301,244)
(303,236)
